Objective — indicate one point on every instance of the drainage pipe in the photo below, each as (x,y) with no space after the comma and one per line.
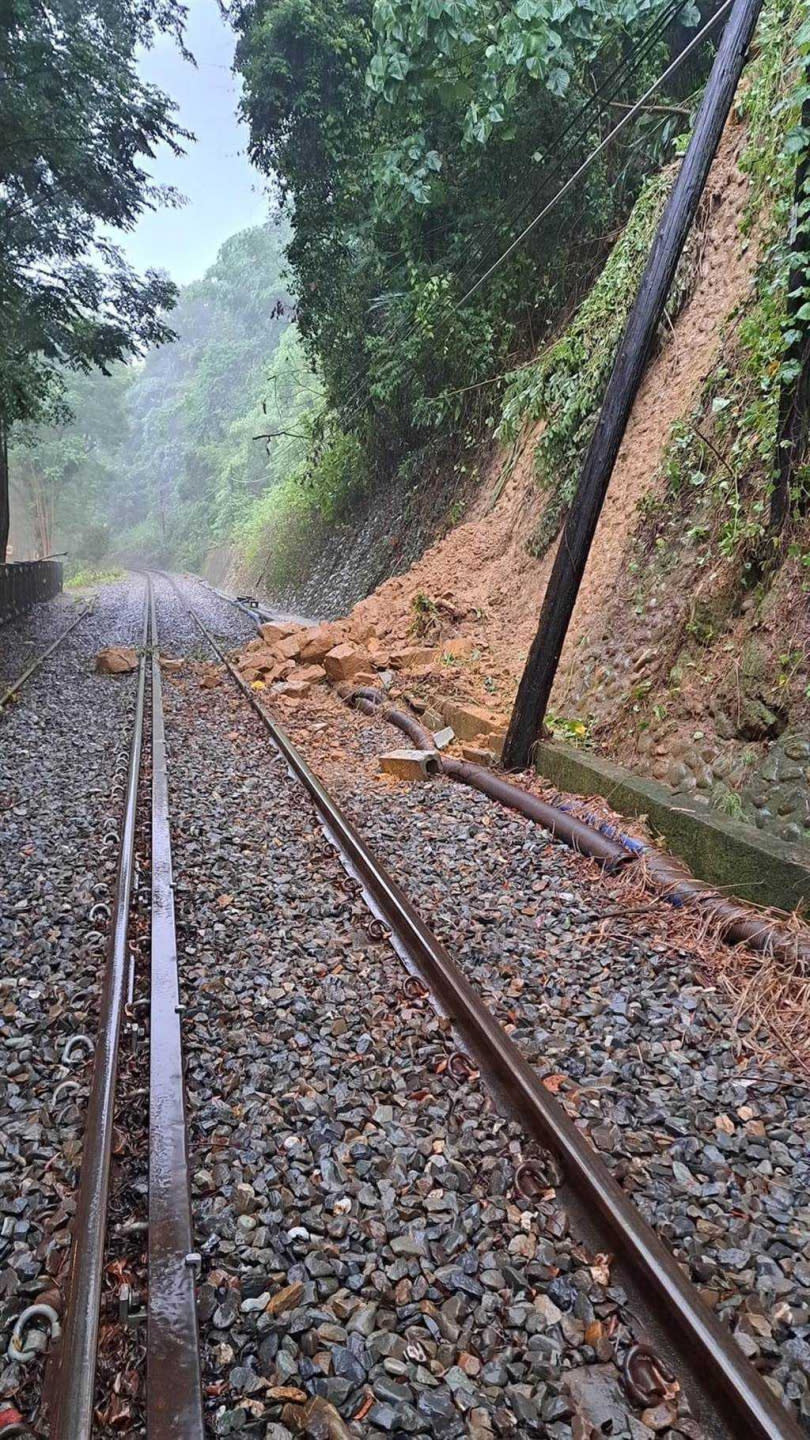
(667,876)
(568,828)
(737,923)
(563,827)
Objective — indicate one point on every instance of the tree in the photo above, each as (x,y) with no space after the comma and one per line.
(76,125)
(63,478)
(408,138)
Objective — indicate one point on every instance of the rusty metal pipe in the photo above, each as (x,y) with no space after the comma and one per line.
(364,692)
(737,924)
(565,827)
(410,726)
(366,707)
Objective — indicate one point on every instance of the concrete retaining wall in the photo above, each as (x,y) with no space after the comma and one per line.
(723,852)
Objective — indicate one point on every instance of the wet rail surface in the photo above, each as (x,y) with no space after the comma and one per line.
(674,1335)
(727,1394)
(173,1390)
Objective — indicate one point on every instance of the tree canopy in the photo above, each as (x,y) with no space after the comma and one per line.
(411,140)
(161,459)
(77,125)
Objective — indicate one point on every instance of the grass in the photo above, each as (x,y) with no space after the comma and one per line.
(80,579)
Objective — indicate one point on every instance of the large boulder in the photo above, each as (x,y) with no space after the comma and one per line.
(274,630)
(290,647)
(316,643)
(116,660)
(345,661)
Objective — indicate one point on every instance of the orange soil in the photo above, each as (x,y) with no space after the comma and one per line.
(482,567)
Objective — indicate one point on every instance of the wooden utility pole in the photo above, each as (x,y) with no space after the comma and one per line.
(526,724)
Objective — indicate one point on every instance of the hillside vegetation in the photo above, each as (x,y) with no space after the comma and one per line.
(402,403)
(159,460)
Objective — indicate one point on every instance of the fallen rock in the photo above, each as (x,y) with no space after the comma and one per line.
(410,764)
(412,656)
(290,647)
(360,630)
(210,677)
(443,738)
(274,631)
(310,674)
(294,689)
(479,755)
(469,721)
(262,660)
(344,661)
(170,663)
(116,660)
(317,642)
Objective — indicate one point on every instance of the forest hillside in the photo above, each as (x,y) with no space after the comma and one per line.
(383,398)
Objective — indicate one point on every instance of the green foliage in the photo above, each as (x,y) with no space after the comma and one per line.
(161,460)
(235,372)
(565,387)
(80,579)
(407,140)
(64,476)
(76,125)
(492,60)
(720,463)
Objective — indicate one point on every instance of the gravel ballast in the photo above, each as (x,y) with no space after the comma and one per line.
(369,1265)
(367,1255)
(63,740)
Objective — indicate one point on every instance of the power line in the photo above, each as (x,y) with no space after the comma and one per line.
(590,110)
(594,155)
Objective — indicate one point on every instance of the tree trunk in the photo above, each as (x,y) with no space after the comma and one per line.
(526,724)
(5,507)
(793,426)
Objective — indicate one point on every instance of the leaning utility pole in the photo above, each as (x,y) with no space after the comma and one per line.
(526,724)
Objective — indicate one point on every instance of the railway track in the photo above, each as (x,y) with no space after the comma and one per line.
(39,660)
(671,1348)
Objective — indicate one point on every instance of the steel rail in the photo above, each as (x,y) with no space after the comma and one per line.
(74,1365)
(173,1375)
(723,1386)
(40,660)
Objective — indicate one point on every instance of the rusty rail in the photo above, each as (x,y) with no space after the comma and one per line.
(174,1387)
(174,1391)
(726,1393)
(74,1366)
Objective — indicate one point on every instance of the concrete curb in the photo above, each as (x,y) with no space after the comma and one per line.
(720,851)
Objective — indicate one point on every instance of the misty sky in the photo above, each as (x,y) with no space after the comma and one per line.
(223,190)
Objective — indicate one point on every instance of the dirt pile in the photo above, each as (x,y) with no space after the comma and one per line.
(476,595)
(658,670)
